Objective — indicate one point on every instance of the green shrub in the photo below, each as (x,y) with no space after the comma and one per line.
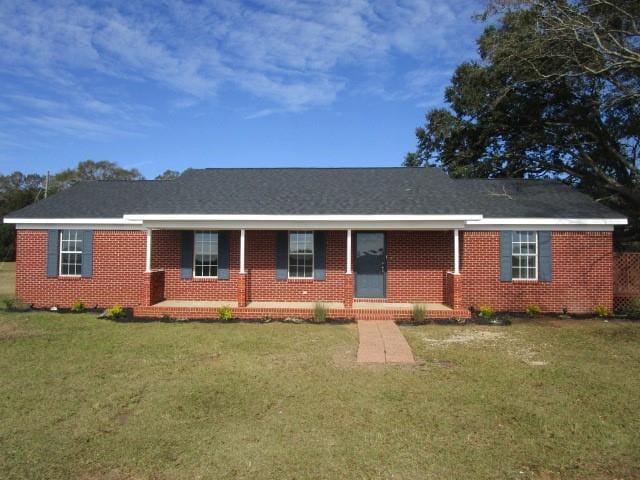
(319,313)
(115,312)
(225,313)
(533,309)
(8,303)
(418,312)
(601,310)
(486,311)
(78,307)
(15,304)
(634,307)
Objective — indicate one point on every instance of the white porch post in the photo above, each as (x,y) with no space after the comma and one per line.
(148,252)
(349,252)
(242,251)
(456,252)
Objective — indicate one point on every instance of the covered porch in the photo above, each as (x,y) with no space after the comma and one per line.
(373,270)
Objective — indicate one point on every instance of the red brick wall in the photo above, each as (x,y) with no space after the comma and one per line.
(166,247)
(261,264)
(582,274)
(417,263)
(118,266)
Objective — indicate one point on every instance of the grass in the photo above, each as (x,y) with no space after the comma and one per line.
(7,279)
(88,398)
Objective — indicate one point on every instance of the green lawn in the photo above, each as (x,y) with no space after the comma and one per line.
(91,399)
(7,279)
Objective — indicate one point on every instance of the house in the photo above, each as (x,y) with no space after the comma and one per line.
(367,242)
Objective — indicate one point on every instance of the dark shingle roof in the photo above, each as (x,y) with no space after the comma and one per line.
(299,191)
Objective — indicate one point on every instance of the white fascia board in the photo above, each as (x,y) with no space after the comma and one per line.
(548,221)
(298,218)
(303,225)
(74,221)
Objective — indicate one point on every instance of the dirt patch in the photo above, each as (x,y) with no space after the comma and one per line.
(470,336)
(10,330)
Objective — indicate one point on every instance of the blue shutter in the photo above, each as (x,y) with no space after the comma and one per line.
(223,255)
(186,266)
(544,256)
(319,255)
(282,252)
(53,253)
(87,253)
(505,256)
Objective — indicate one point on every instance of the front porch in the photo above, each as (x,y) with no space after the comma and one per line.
(201,309)
(405,268)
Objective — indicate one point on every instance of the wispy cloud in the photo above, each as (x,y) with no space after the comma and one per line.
(287,55)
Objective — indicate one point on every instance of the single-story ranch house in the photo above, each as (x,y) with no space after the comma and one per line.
(367,242)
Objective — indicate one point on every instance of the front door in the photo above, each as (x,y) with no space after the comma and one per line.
(370,265)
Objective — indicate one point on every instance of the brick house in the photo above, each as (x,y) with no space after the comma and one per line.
(366,242)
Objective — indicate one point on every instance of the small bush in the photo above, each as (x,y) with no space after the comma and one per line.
(78,307)
(601,311)
(319,313)
(8,302)
(15,304)
(418,313)
(486,311)
(533,309)
(634,307)
(115,312)
(225,313)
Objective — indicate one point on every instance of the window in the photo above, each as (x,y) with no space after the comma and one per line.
(71,252)
(524,259)
(300,254)
(205,254)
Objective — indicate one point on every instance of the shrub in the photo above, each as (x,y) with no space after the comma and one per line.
(15,304)
(319,313)
(225,313)
(485,311)
(8,302)
(601,310)
(115,312)
(78,307)
(533,309)
(634,307)
(418,312)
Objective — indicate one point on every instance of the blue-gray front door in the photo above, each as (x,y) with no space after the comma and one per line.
(370,265)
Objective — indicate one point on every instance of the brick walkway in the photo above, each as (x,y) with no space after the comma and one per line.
(382,342)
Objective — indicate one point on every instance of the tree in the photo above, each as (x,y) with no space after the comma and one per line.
(168,175)
(555,95)
(90,170)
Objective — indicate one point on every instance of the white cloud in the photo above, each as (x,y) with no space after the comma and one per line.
(289,55)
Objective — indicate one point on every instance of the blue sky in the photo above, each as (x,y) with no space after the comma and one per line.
(177,84)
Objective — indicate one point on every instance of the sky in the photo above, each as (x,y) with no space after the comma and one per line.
(266,83)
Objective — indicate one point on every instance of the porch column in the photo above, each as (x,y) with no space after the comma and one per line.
(349,252)
(242,271)
(456,252)
(147,264)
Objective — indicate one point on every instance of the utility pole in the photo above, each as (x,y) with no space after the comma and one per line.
(46,185)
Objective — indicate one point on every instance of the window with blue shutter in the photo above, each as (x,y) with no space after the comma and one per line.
(186,265)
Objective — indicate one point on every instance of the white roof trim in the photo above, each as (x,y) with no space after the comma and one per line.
(300,218)
(73,221)
(548,221)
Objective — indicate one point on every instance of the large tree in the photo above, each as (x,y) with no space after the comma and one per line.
(556,94)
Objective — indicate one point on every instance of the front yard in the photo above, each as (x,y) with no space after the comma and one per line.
(91,399)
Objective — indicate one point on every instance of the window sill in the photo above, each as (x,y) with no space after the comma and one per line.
(70,277)
(302,280)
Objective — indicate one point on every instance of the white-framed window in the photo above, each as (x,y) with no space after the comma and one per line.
(300,254)
(70,253)
(524,256)
(205,254)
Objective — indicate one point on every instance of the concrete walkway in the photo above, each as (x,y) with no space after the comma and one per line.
(382,342)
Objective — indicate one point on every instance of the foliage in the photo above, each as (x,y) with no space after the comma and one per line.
(634,307)
(168,175)
(225,313)
(115,312)
(555,95)
(78,306)
(533,309)
(418,312)
(601,311)
(486,311)
(319,313)
(15,304)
